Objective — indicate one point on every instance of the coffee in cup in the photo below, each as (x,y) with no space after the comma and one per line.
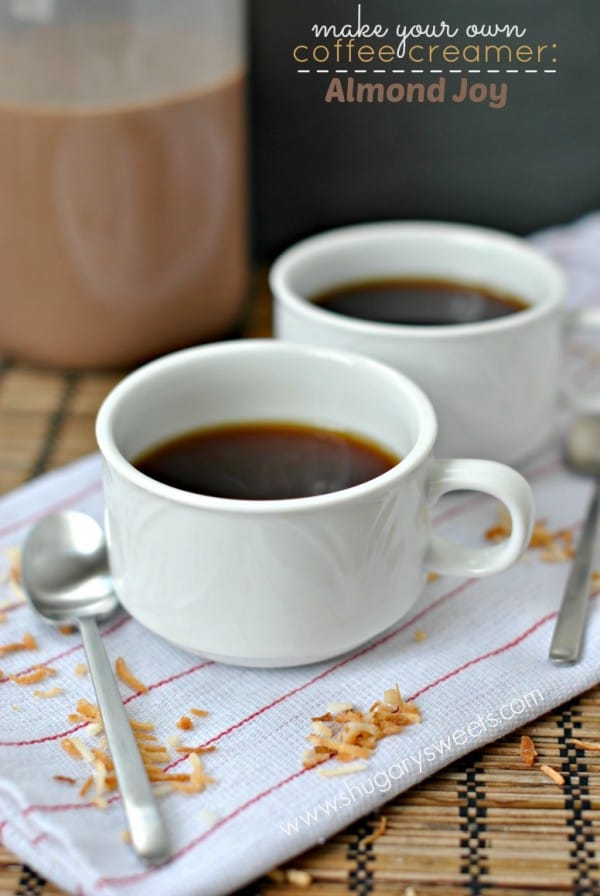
(417,302)
(265,461)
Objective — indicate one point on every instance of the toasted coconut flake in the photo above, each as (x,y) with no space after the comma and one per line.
(185,723)
(81,751)
(376,834)
(321,729)
(201,713)
(296,878)
(87,709)
(541,536)
(350,715)
(411,713)
(393,697)
(173,740)
(326,717)
(503,526)
(65,779)
(93,729)
(86,786)
(111,782)
(496,533)
(587,745)
(354,732)
(199,750)
(66,629)
(155,758)
(99,802)
(100,777)
(199,778)
(156,774)
(554,547)
(81,669)
(34,677)
(196,763)
(334,708)
(27,643)
(553,774)
(432,576)
(351,768)
(347,752)
(354,735)
(3,617)
(102,757)
(144,737)
(310,758)
(125,674)
(390,728)
(53,692)
(528,750)
(209,817)
(126,836)
(141,726)
(419,635)
(596,577)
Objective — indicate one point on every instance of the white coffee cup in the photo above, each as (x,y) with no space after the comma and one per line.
(494,384)
(283,582)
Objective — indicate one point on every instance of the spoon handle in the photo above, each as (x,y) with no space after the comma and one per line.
(567,640)
(148,832)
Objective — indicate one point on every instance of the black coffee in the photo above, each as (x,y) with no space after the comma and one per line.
(265,461)
(418,302)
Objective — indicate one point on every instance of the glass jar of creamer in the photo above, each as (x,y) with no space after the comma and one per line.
(123,222)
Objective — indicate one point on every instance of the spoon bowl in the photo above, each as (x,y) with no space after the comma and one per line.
(65,569)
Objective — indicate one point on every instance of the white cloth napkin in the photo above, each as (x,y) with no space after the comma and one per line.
(481,672)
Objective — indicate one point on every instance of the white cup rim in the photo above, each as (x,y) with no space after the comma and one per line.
(116,461)
(303,251)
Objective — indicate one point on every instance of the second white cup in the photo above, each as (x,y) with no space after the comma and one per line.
(494,383)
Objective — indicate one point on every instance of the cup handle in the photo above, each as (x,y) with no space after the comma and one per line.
(581,319)
(494,479)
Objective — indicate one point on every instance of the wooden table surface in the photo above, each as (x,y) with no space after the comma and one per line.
(486,825)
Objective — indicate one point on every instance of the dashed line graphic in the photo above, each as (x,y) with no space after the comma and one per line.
(432,71)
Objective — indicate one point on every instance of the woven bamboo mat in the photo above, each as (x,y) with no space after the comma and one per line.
(486,825)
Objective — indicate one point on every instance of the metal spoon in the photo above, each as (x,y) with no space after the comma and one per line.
(66,578)
(583,454)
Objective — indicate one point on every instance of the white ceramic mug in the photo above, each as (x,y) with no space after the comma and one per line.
(283,582)
(494,384)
